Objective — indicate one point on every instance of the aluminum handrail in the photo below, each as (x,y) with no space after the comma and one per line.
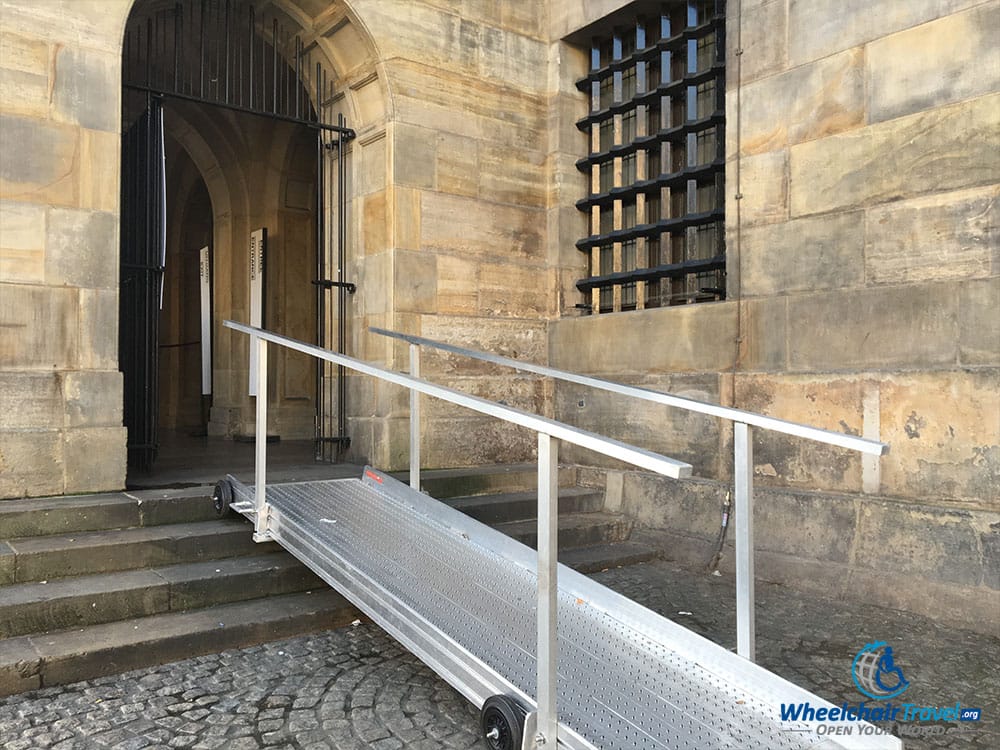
(742,420)
(549,431)
(853,442)
(607,446)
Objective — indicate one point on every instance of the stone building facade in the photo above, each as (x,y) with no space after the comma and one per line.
(861,260)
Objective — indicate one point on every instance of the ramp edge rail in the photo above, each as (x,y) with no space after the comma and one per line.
(742,420)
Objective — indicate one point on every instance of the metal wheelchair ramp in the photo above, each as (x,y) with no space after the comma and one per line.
(463,598)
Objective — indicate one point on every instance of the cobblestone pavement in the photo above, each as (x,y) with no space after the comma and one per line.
(356,688)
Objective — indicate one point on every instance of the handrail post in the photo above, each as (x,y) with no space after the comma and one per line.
(548,587)
(259,345)
(415,420)
(743,476)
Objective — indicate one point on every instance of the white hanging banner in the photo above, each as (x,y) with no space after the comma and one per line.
(205,276)
(258,252)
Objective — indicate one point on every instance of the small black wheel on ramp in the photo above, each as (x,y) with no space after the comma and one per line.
(222,496)
(502,720)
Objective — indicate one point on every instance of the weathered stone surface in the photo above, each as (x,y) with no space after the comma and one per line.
(415,152)
(804,103)
(832,403)
(27,309)
(978,322)
(947,148)
(958,59)
(98,334)
(407,224)
(99,170)
(31,464)
(95,24)
(510,175)
(911,326)
(940,547)
(810,254)
(945,435)
(371,177)
(764,335)
(31,401)
(457,165)
(430,100)
(92,399)
(475,227)
(22,242)
(81,249)
(40,161)
(520,391)
(95,459)
(765,189)
(375,231)
(476,441)
(518,339)
(821,28)
(455,295)
(81,80)
(24,81)
(811,526)
(414,281)
(680,434)
(513,291)
(944,236)
(765,41)
(665,339)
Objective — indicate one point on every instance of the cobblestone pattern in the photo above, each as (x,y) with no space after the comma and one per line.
(357,688)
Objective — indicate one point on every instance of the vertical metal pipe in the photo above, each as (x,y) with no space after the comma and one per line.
(178,11)
(260,442)
(228,52)
(320,431)
(274,66)
(298,77)
(251,16)
(201,52)
(341,276)
(415,420)
(548,586)
(743,474)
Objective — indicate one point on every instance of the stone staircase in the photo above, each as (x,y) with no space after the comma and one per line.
(101,584)
(590,539)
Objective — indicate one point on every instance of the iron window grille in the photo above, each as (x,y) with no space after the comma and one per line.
(656,160)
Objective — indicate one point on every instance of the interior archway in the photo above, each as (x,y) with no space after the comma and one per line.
(252,172)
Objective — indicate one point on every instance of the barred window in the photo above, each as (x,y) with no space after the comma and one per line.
(657,126)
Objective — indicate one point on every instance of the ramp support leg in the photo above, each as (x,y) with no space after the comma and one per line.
(743,473)
(260,441)
(415,420)
(548,587)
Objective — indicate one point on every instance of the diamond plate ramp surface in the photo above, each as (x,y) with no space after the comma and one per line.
(462,596)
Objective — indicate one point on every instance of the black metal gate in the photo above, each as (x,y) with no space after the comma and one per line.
(143,248)
(221,53)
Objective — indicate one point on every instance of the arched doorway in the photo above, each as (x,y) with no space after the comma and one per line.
(233,134)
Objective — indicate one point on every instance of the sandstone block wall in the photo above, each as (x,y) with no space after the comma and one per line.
(60,389)
(864,279)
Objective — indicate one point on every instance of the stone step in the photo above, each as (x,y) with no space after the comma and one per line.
(575,530)
(90,600)
(58,658)
(607,556)
(483,480)
(119,510)
(62,556)
(522,506)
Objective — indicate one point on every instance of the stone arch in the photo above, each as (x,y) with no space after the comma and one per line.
(348,51)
